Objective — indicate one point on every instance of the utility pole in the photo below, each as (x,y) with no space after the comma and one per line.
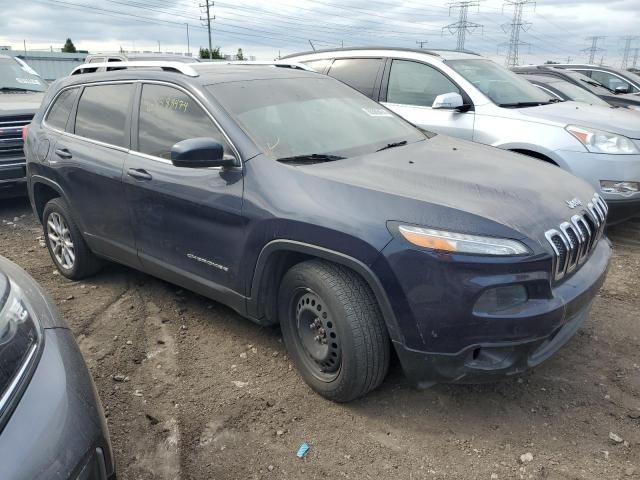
(208,6)
(594,49)
(159,51)
(627,50)
(462,26)
(422,43)
(514,28)
(188,42)
(312,47)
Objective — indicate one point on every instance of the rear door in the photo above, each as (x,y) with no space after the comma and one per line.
(188,221)
(87,161)
(410,88)
(363,74)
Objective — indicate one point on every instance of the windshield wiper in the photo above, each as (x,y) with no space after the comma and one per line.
(556,100)
(392,145)
(522,104)
(311,158)
(597,84)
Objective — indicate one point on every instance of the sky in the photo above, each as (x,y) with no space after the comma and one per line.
(555,30)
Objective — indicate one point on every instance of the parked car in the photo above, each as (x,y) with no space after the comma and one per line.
(21,91)
(298,201)
(564,91)
(471,97)
(137,57)
(539,74)
(620,81)
(51,420)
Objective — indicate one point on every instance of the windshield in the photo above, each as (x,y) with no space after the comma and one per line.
(588,83)
(294,117)
(574,92)
(502,86)
(15,77)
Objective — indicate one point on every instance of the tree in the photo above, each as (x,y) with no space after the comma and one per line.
(239,55)
(69,47)
(204,53)
(551,62)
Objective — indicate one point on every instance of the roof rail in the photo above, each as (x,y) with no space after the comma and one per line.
(276,63)
(178,67)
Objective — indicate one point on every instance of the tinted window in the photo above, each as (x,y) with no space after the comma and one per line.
(360,73)
(611,81)
(59,113)
(318,65)
(102,113)
(96,60)
(168,116)
(412,83)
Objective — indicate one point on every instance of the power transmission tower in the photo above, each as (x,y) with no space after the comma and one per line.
(627,50)
(208,8)
(462,26)
(514,28)
(594,49)
(636,52)
(422,43)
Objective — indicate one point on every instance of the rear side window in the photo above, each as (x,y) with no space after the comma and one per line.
(96,60)
(61,108)
(102,113)
(168,116)
(318,65)
(413,83)
(359,73)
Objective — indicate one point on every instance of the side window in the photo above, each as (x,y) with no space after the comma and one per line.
(61,108)
(96,60)
(359,73)
(102,113)
(318,65)
(168,116)
(413,83)
(611,81)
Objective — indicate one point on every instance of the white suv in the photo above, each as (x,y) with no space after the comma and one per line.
(471,97)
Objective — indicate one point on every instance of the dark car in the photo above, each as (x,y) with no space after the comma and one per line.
(21,92)
(618,80)
(298,201)
(51,420)
(558,78)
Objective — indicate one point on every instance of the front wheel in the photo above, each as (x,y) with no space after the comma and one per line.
(333,328)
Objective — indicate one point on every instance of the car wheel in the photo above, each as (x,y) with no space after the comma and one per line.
(333,329)
(66,246)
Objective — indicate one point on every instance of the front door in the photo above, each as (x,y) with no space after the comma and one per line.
(188,221)
(412,87)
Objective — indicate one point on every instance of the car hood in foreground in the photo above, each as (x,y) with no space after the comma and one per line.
(482,183)
(615,120)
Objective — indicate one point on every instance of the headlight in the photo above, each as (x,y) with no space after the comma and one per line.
(461,243)
(598,141)
(20,337)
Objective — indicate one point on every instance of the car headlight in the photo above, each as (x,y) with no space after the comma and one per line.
(461,243)
(598,141)
(20,339)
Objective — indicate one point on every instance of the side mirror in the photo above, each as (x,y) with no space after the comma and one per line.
(448,101)
(622,89)
(200,153)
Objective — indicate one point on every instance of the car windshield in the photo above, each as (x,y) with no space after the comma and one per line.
(589,83)
(15,78)
(320,118)
(502,86)
(574,92)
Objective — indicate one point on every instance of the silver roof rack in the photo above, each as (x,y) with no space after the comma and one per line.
(179,67)
(276,63)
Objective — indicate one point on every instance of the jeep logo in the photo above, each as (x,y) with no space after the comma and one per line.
(573,203)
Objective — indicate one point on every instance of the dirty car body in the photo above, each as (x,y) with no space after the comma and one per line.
(482,262)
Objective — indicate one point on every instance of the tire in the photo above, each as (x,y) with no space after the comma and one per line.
(333,329)
(61,229)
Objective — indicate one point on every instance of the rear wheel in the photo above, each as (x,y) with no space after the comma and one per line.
(67,248)
(333,329)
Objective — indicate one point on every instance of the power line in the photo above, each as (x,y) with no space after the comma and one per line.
(515,27)
(627,49)
(462,26)
(594,49)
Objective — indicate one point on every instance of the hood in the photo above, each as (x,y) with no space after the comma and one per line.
(612,120)
(22,103)
(520,193)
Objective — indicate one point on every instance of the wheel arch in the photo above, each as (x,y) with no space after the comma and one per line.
(534,154)
(42,191)
(278,256)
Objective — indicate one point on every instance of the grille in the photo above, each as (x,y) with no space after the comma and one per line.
(11,145)
(573,241)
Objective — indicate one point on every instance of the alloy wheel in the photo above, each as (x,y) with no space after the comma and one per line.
(60,241)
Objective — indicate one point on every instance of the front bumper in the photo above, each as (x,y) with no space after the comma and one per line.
(594,167)
(13,178)
(57,429)
(451,343)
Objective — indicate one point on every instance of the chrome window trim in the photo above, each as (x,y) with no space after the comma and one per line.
(128,150)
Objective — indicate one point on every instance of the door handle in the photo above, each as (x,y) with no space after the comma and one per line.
(139,174)
(63,153)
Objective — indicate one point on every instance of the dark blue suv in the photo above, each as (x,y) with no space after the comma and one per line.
(298,201)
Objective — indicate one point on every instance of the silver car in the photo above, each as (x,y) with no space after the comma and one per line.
(471,97)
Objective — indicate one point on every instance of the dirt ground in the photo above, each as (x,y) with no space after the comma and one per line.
(209,395)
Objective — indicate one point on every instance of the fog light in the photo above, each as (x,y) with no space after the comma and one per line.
(500,298)
(621,188)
